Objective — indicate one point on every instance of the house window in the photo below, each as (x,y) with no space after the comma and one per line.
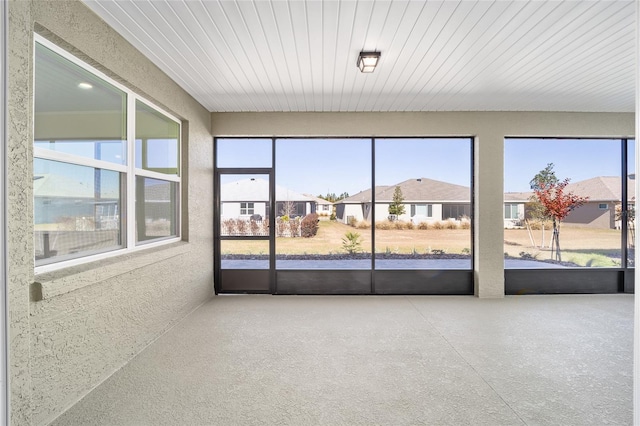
(246,208)
(603,206)
(425,210)
(101,153)
(511,211)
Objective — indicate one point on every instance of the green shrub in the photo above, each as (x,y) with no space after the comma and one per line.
(309,225)
(351,243)
(333,217)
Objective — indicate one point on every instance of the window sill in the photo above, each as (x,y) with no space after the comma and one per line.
(51,284)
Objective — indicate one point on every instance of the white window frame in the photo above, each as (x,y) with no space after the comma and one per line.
(511,208)
(129,169)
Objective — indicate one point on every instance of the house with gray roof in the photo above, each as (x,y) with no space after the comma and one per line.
(249,197)
(429,200)
(603,192)
(425,200)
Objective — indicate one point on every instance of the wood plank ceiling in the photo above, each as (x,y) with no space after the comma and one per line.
(297,55)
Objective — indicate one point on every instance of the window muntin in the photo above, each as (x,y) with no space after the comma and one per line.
(247,209)
(82,120)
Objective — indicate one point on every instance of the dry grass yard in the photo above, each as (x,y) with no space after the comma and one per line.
(582,246)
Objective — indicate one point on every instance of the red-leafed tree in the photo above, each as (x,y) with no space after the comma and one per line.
(557,204)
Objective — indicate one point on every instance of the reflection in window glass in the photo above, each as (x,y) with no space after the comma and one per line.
(77,112)
(156,209)
(76,210)
(423,203)
(589,235)
(157,139)
(245,153)
(322,219)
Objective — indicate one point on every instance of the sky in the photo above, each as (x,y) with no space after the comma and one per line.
(576,159)
(321,166)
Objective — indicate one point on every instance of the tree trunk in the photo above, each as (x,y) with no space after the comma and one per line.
(555,242)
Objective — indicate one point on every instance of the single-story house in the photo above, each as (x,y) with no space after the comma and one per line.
(598,212)
(425,200)
(323,207)
(429,200)
(248,197)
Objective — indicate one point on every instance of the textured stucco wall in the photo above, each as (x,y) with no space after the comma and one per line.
(489,130)
(79,325)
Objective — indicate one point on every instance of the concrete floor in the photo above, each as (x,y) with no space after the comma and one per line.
(389,360)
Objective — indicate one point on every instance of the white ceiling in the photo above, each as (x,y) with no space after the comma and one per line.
(297,55)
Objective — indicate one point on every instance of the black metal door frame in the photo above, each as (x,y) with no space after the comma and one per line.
(243,275)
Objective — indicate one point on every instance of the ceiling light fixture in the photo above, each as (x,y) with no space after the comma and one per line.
(367,61)
(85,86)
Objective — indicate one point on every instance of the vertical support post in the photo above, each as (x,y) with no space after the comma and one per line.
(488,182)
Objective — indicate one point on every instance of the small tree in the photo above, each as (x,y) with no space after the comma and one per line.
(544,176)
(535,210)
(351,243)
(557,205)
(396,207)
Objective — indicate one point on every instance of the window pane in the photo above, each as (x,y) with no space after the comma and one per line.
(423,203)
(156,209)
(157,141)
(588,236)
(245,153)
(76,211)
(321,220)
(77,112)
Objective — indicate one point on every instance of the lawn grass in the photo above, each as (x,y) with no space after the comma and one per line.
(582,246)
(330,235)
(588,247)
